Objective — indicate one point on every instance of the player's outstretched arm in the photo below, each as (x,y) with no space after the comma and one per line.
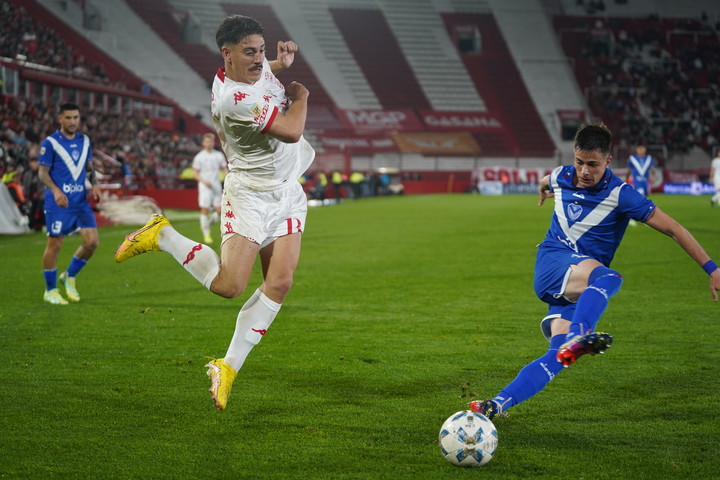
(664,223)
(285,56)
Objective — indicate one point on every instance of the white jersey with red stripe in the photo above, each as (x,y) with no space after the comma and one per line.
(242,115)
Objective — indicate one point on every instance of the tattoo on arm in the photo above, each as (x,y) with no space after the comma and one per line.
(91,174)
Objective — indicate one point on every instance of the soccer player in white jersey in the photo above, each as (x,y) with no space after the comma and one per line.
(207,165)
(65,162)
(715,179)
(260,124)
(572,270)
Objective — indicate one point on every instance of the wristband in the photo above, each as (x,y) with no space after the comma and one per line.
(709,267)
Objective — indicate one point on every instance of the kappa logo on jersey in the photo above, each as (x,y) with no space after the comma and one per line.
(574,211)
(229,214)
(239,97)
(228,228)
(266,98)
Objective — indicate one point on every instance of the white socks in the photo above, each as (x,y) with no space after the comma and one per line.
(200,260)
(205,224)
(203,263)
(253,321)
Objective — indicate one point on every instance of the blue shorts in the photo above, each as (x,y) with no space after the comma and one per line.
(552,269)
(642,186)
(62,221)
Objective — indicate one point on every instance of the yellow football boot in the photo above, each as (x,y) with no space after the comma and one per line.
(53,296)
(70,290)
(222,376)
(142,240)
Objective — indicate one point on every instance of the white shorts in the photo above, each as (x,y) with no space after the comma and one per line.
(209,197)
(262,217)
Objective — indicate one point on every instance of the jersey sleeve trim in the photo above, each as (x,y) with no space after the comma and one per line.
(270,120)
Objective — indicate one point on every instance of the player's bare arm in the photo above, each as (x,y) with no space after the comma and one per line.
(285,56)
(289,127)
(544,189)
(92,178)
(44,176)
(196,173)
(664,223)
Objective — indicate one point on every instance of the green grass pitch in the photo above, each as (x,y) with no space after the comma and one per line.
(403,310)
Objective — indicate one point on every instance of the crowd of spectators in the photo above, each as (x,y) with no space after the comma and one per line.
(121,141)
(654,81)
(24,39)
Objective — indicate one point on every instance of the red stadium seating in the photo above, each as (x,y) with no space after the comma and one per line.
(381,59)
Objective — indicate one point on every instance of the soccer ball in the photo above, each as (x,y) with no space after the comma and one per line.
(468,439)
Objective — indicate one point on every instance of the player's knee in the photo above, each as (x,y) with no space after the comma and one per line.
(279,287)
(91,246)
(606,279)
(227,290)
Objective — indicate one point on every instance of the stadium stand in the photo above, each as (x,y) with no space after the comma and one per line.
(67,46)
(652,78)
(498,81)
(168,22)
(380,57)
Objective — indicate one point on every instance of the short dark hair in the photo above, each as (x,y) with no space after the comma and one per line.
(235,28)
(67,106)
(593,136)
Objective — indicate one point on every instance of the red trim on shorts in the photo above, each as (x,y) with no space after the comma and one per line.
(270,122)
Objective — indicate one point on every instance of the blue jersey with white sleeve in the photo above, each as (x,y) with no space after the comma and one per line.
(67,159)
(592,221)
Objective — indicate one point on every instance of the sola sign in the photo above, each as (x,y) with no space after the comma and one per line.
(380,119)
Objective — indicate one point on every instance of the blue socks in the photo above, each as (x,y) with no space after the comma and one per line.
(533,377)
(603,283)
(50,279)
(75,266)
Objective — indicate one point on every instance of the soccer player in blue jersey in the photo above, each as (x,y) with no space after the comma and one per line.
(65,163)
(572,270)
(641,166)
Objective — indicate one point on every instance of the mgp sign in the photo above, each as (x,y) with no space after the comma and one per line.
(360,120)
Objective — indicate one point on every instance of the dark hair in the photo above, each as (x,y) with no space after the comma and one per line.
(593,136)
(235,28)
(67,106)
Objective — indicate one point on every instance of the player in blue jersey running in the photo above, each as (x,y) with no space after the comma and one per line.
(65,163)
(572,270)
